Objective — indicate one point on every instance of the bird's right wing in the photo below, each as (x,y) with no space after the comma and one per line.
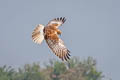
(38,35)
(56,22)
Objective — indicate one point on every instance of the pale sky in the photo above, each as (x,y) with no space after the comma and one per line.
(92,29)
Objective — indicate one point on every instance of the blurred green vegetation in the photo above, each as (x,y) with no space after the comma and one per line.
(74,69)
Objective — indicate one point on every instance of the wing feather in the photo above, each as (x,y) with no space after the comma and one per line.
(58,48)
(56,22)
(37,35)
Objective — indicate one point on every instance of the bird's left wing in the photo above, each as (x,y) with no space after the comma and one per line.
(56,22)
(58,47)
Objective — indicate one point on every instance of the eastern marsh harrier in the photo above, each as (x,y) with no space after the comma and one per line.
(51,34)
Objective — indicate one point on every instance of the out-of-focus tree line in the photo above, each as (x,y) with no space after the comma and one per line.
(74,69)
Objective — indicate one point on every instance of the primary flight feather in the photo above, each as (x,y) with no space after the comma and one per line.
(51,34)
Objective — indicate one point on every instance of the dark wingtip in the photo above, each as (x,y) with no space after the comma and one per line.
(67,56)
(68,51)
(60,18)
(63,19)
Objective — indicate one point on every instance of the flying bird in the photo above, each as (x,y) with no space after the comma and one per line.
(51,33)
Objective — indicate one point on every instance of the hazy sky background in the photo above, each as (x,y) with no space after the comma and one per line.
(92,29)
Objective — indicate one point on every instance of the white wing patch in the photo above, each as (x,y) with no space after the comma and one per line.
(38,35)
(58,21)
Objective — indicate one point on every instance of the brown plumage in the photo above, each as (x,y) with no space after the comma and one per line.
(51,35)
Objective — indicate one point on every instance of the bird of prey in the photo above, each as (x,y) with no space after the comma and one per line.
(51,33)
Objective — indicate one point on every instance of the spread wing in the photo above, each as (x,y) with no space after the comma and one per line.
(37,35)
(58,47)
(57,22)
